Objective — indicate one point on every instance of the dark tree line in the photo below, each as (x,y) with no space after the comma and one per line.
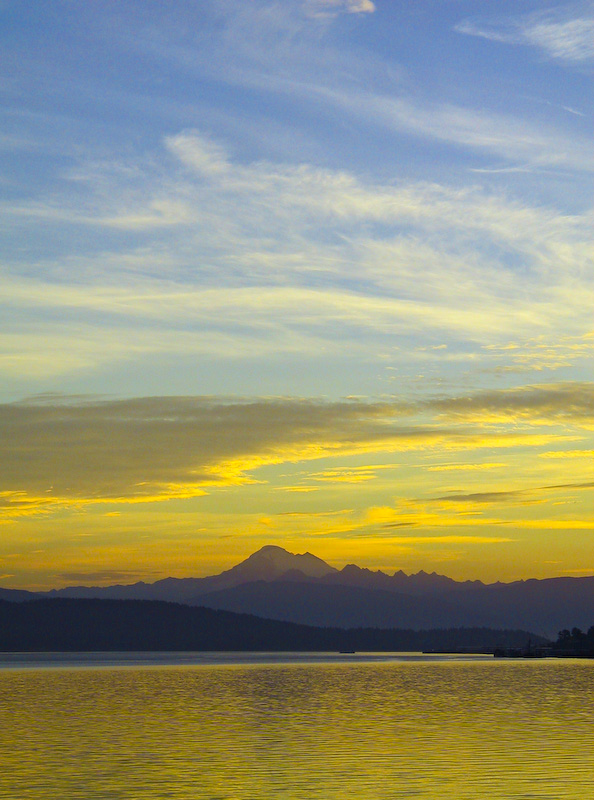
(575,640)
(149,625)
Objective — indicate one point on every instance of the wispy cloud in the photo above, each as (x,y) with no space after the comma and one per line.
(565,32)
(539,354)
(466,467)
(523,496)
(549,404)
(213,229)
(271,48)
(569,454)
(110,576)
(152,449)
(508,137)
(330,8)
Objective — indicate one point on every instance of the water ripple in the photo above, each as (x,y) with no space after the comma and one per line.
(299,731)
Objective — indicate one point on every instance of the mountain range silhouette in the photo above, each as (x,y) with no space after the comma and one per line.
(275,584)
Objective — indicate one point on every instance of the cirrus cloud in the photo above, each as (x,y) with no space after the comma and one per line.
(565,33)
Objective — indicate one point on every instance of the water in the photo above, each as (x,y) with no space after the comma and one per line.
(258,728)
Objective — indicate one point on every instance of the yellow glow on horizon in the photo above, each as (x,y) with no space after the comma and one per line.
(204,483)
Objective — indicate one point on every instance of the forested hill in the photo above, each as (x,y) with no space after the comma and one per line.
(146,625)
(575,642)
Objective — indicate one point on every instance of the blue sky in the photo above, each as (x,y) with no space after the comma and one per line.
(289,147)
(311,200)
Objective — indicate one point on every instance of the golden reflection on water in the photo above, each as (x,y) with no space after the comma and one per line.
(420,730)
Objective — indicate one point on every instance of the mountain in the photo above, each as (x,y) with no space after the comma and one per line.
(17,595)
(550,604)
(343,606)
(542,606)
(271,562)
(417,584)
(64,624)
(268,564)
(276,584)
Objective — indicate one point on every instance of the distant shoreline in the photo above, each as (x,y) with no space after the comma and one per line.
(67,625)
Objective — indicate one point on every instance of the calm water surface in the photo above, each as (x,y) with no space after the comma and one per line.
(258,728)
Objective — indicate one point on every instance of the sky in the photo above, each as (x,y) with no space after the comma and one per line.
(312,273)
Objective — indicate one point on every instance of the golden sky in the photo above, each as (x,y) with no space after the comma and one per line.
(496,485)
(315,273)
